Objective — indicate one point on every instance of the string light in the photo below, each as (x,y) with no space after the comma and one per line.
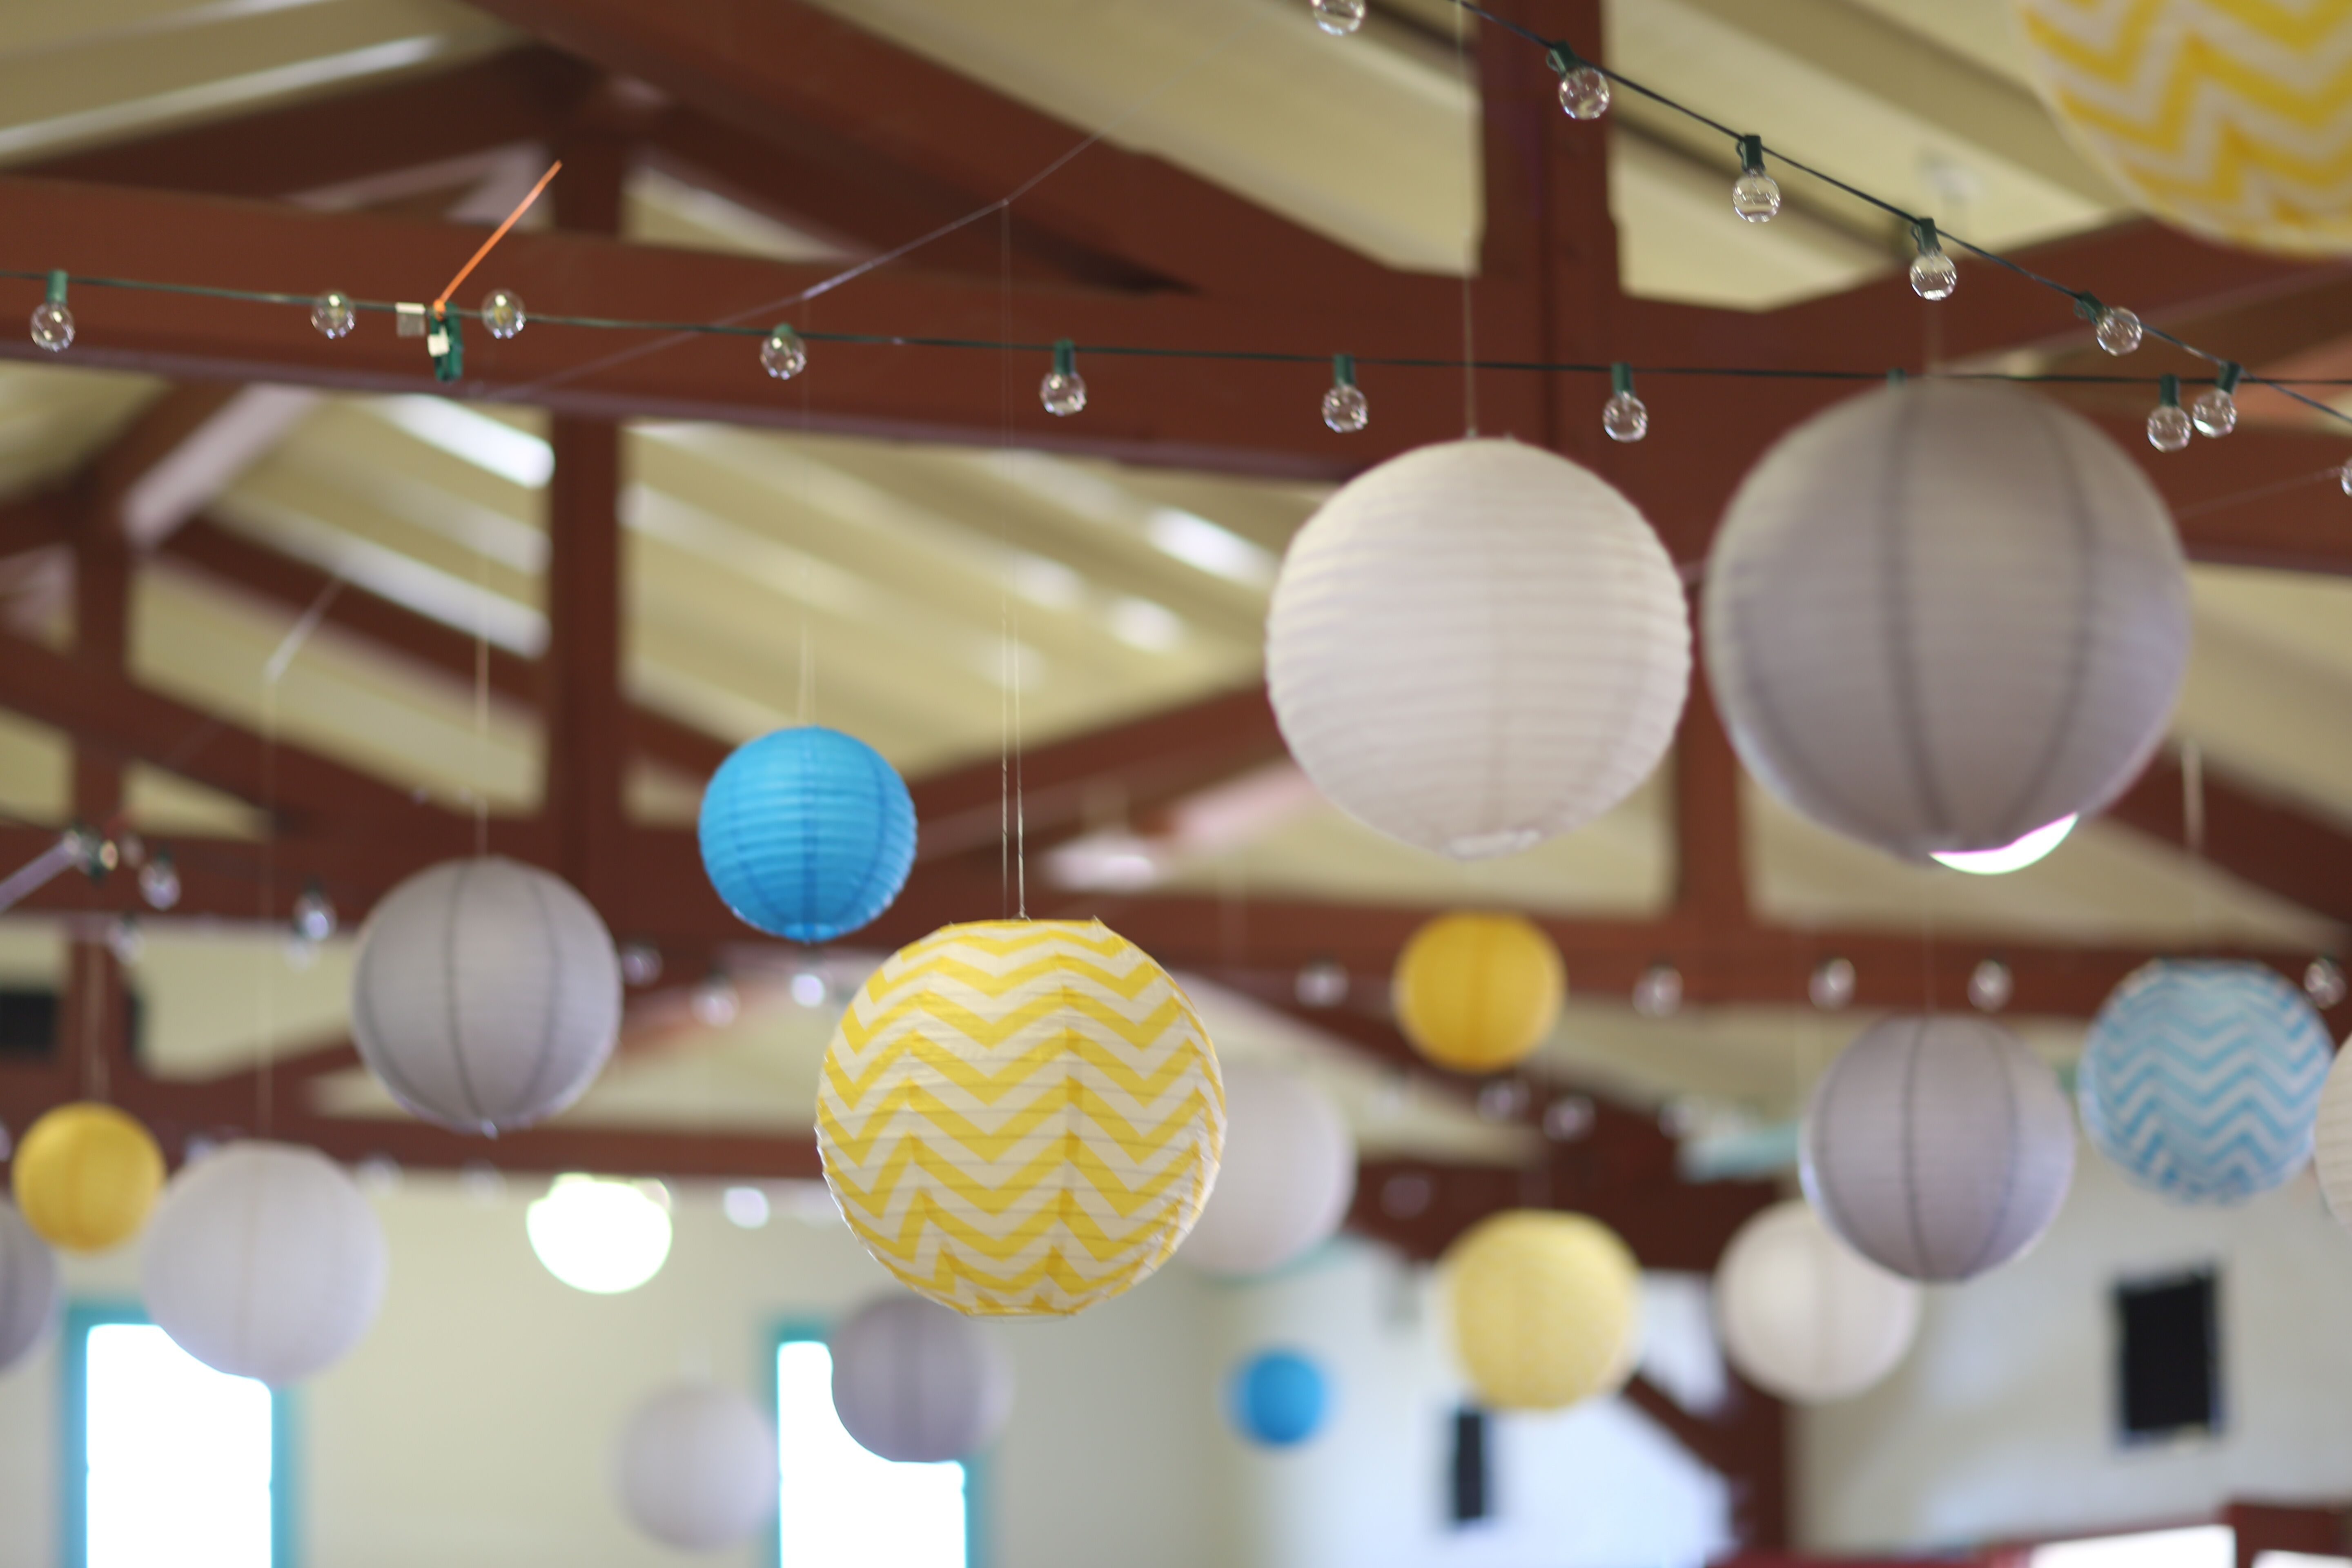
(502,314)
(314,914)
(2169,428)
(782,355)
(331,314)
(1658,994)
(1063,390)
(2216,413)
(1832,985)
(1339,17)
(1934,275)
(2343,476)
(1345,408)
(1583,91)
(2118,330)
(1624,416)
(1755,195)
(52,323)
(159,880)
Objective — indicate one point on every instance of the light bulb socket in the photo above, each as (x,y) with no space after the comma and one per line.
(1751,154)
(1924,231)
(2088,306)
(2168,390)
(447,342)
(2226,379)
(1343,369)
(56,290)
(1620,378)
(1066,357)
(1563,59)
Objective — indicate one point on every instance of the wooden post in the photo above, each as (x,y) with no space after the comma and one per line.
(95,1018)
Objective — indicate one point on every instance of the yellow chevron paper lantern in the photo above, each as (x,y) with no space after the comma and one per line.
(1477,993)
(1021,1117)
(1546,1308)
(2231,118)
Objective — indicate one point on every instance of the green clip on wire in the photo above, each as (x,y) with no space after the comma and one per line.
(2168,390)
(1751,154)
(447,345)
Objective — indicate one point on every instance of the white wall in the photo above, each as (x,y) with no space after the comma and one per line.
(2002,1423)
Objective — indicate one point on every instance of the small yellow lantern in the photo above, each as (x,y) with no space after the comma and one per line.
(1477,993)
(86,1175)
(1546,1308)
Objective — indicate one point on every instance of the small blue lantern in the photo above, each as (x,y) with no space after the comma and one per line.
(1279,1399)
(807,833)
(2200,1080)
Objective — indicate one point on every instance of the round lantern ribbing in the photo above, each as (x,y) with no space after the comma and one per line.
(1477,993)
(86,1176)
(1938,1147)
(697,1467)
(1804,1316)
(1283,1179)
(917,1383)
(1546,1308)
(1941,615)
(807,833)
(29,1288)
(1476,646)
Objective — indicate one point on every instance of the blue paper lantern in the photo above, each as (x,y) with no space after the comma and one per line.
(807,833)
(2200,1080)
(1279,1398)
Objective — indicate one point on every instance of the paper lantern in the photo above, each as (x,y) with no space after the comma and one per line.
(29,1290)
(1285,1178)
(918,1383)
(1020,1116)
(1477,993)
(2233,120)
(2333,1153)
(86,1176)
(2200,1080)
(265,1261)
(1279,1399)
(1805,1317)
(1476,646)
(1941,615)
(1938,1147)
(486,996)
(807,833)
(1546,1308)
(697,1467)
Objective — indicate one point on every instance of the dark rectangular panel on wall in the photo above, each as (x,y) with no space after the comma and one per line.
(28,1023)
(2168,1356)
(1470,1500)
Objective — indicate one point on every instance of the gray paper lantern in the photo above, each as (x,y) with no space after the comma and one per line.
(1941,615)
(28,1288)
(697,1467)
(1938,1147)
(919,1383)
(1285,1180)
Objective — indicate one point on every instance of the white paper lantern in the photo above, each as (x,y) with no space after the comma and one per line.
(1938,1147)
(1806,1317)
(2332,1147)
(918,1382)
(1476,646)
(263,1260)
(698,1467)
(1941,615)
(29,1290)
(1287,1175)
(487,994)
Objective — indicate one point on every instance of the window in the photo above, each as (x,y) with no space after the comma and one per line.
(167,1460)
(839,1504)
(2200,1546)
(2170,1357)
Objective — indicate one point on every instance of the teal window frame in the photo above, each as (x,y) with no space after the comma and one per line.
(73,1448)
(975,1468)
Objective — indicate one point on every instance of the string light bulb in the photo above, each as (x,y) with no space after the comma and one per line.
(314,914)
(1624,416)
(1755,195)
(1345,409)
(159,880)
(2169,428)
(332,315)
(1063,390)
(2343,476)
(1658,994)
(502,314)
(2216,413)
(1934,275)
(1584,89)
(2116,330)
(1339,17)
(52,323)
(782,352)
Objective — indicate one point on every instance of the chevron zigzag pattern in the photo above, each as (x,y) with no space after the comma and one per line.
(2232,118)
(2202,1079)
(1021,1117)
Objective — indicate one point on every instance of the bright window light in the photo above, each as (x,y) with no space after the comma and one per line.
(839,1504)
(600,1235)
(2014,857)
(491,445)
(2299,1560)
(178,1457)
(2201,1546)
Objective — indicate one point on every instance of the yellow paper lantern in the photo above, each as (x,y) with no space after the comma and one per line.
(1020,1116)
(1546,1308)
(2231,118)
(1477,992)
(86,1176)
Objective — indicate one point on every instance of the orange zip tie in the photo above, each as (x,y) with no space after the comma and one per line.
(496,235)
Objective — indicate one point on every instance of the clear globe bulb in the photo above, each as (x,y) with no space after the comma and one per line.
(314,916)
(2343,476)
(2168,428)
(1625,417)
(332,315)
(1063,391)
(53,326)
(1658,994)
(159,882)
(2119,332)
(1584,93)
(1990,986)
(1756,196)
(2215,414)
(502,312)
(1934,275)
(1346,410)
(1339,17)
(2322,981)
(783,355)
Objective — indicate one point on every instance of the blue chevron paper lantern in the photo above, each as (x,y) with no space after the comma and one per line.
(2200,1080)
(807,833)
